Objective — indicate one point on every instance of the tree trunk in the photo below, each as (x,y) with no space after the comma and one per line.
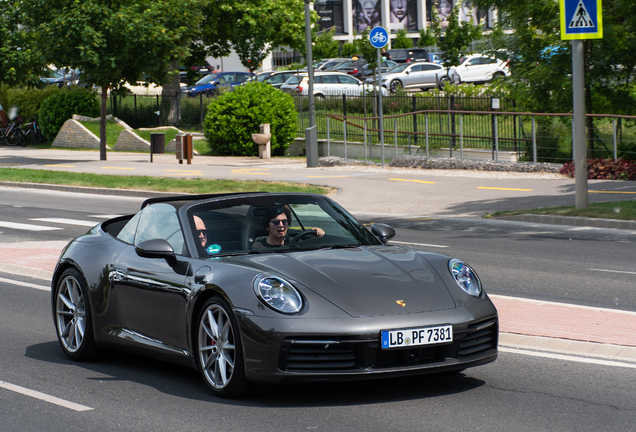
(102,124)
(170,92)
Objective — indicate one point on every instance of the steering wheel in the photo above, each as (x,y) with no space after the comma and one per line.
(300,235)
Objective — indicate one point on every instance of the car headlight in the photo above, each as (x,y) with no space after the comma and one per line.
(465,277)
(278,294)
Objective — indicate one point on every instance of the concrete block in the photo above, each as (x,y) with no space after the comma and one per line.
(74,135)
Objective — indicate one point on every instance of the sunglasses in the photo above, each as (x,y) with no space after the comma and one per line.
(204,232)
(285,222)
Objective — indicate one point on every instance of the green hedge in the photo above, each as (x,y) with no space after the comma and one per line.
(61,106)
(27,100)
(233,117)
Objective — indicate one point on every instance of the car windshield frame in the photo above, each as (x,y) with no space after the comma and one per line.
(235,224)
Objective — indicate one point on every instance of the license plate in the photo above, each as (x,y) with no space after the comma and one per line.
(417,336)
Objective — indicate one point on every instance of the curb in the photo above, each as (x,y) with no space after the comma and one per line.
(573,221)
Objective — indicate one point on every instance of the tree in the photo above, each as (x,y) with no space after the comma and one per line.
(113,42)
(326,46)
(401,41)
(252,28)
(456,38)
(428,35)
(20,63)
(541,63)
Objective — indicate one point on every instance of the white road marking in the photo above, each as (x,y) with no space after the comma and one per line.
(613,271)
(567,358)
(66,221)
(573,306)
(418,244)
(25,284)
(27,227)
(44,397)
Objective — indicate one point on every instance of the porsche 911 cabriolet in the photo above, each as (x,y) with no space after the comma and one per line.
(266,288)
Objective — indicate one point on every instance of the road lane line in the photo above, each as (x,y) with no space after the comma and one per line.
(61,166)
(66,221)
(27,227)
(418,244)
(506,189)
(25,284)
(567,357)
(119,168)
(613,271)
(416,181)
(333,176)
(614,192)
(568,305)
(44,397)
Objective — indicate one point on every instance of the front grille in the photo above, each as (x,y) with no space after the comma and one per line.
(479,337)
(320,357)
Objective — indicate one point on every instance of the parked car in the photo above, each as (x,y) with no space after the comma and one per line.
(340,67)
(422,75)
(210,83)
(329,63)
(435,58)
(327,83)
(478,68)
(407,55)
(277,79)
(184,280)
(360,68)
(195,70)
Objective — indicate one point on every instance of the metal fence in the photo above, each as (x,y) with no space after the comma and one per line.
(415,124)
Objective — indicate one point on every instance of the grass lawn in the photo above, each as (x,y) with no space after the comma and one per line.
(159,184)
(113,130)
(622,210)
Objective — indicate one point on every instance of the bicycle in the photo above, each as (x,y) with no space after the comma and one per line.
(13,134)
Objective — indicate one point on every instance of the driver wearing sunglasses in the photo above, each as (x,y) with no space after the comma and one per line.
(200,232)
(276,225)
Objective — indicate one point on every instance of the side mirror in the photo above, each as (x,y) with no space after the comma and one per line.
(157,248)
(382,232)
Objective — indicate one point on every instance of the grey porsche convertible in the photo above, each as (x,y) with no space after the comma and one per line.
(266,288)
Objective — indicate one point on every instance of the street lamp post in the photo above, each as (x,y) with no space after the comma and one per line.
(311,133)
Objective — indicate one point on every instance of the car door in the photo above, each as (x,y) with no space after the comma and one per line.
(469,69)
(148,296)
(431,73)
(412,76)
(349,85)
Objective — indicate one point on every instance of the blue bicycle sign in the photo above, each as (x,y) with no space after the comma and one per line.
(378,37)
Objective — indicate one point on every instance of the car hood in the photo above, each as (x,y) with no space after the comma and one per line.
(364,281)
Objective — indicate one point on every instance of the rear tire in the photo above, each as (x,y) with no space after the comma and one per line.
(14,138)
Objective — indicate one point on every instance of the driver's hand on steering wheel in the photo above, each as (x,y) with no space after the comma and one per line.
(319,232)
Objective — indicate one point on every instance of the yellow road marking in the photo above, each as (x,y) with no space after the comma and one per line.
(508,189)
(62,166)
(192,173)
(327,176)
(416,181)
(122,168)
(611,192)
(250,169)
(9,164)
(185,171)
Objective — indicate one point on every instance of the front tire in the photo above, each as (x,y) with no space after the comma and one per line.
(73,323)
(395,86)
(219,350)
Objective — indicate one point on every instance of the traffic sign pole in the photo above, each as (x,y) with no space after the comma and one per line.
(379,37)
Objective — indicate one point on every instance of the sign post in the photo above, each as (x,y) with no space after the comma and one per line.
(379,37)
(580,19)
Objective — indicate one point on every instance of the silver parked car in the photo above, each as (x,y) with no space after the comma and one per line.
(327,83)
(422,75)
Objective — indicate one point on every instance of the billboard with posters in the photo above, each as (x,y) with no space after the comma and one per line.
(366,13)
(403,15)
(330,15)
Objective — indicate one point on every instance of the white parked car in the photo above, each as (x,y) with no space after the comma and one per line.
(327,83)
(422,75)
(478,68)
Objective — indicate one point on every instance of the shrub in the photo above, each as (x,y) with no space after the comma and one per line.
(605,169)
(233,117)
(27,100)
(61,106)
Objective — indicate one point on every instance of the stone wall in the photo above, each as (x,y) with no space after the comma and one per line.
(75,135)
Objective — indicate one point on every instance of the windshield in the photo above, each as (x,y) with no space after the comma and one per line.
(274,223)
(207,79)
(294,80)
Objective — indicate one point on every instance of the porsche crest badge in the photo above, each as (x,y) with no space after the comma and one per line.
(401,303)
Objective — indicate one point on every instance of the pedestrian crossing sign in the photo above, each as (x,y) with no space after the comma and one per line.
(581,19)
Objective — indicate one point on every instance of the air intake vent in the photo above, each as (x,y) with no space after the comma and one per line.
(482,338)
(320,357)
